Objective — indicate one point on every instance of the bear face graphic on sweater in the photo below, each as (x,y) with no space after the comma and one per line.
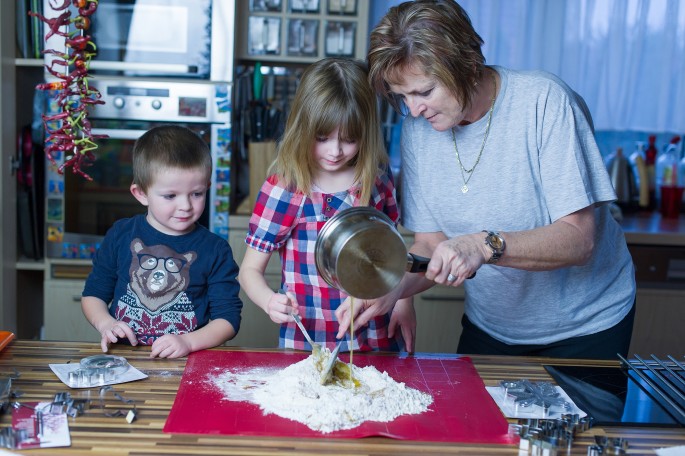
(158,274)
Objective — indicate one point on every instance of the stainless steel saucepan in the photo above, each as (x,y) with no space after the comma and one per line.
(360,252)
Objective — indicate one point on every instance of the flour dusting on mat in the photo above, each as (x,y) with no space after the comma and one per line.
(296,393)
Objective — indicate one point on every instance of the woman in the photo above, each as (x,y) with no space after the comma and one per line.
(501,175)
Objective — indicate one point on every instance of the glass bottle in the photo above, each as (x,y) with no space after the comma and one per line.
(638,152)
(666,169)
(650,161)
(637,163)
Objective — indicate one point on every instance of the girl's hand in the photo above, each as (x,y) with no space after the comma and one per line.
(118,330)
(364,310)
(170,346)
(280,306)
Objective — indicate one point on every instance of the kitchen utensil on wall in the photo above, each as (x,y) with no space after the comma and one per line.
(360,252)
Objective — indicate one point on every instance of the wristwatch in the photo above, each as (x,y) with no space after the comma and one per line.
(496,242)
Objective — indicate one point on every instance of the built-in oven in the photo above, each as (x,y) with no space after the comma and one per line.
(157,38)
(79,211)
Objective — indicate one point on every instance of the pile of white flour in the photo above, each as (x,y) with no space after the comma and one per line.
(296,393)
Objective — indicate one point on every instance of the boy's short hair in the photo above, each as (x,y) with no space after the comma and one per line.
(168,146)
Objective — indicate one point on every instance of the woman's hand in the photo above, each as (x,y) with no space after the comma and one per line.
(457,259)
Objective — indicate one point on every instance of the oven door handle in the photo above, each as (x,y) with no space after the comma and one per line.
(115,133)
(155,68)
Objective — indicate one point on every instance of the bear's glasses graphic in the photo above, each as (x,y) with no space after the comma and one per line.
(171,264)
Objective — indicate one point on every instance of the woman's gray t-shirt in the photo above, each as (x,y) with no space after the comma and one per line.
(540,163)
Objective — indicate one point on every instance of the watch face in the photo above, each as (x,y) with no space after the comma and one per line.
(495,242)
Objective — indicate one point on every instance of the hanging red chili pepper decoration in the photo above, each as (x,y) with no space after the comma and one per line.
(69,131)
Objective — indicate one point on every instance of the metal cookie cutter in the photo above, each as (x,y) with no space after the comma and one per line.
(605,445)
(131,415)
(98,370)
(547,437)
(526,394)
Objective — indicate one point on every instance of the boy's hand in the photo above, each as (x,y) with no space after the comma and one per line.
(170,346)
(280,306)
(118,330)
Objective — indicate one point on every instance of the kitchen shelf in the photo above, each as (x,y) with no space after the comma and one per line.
(284,25)
(28,62)
(29,264)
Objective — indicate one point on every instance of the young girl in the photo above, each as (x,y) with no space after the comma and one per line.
(331,158)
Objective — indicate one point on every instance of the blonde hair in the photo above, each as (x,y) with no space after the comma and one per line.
(333,92)
(168,146)
(435,35)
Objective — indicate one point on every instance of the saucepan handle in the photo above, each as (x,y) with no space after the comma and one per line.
(416,263)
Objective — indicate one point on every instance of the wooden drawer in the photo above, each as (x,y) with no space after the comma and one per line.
(659,266)
(658,327)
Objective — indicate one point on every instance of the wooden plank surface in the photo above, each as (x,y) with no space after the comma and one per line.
(93,433)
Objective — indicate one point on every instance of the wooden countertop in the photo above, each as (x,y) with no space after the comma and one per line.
(92,433)
(639,227)
(651,228)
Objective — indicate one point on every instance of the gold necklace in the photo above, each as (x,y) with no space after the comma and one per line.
(465,187)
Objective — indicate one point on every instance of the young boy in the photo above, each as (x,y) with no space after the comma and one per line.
(171,283)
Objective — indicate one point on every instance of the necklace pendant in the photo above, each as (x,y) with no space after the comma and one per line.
(464,188)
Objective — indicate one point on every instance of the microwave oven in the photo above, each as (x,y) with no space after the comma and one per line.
(156,38)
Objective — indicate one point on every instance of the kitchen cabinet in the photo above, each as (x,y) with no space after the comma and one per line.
(63,317)
(256,328)
(657,246)
(659,327)
(301,31)
(8,244)
(29,276)
(21,287)
(438,319)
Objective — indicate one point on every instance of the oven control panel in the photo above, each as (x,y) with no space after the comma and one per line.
(160,101)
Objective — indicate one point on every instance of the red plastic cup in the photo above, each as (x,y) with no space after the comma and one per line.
(671,201)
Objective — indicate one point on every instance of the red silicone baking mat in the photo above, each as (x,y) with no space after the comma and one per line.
(462,410)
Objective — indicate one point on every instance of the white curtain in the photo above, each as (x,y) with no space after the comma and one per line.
(625,57)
